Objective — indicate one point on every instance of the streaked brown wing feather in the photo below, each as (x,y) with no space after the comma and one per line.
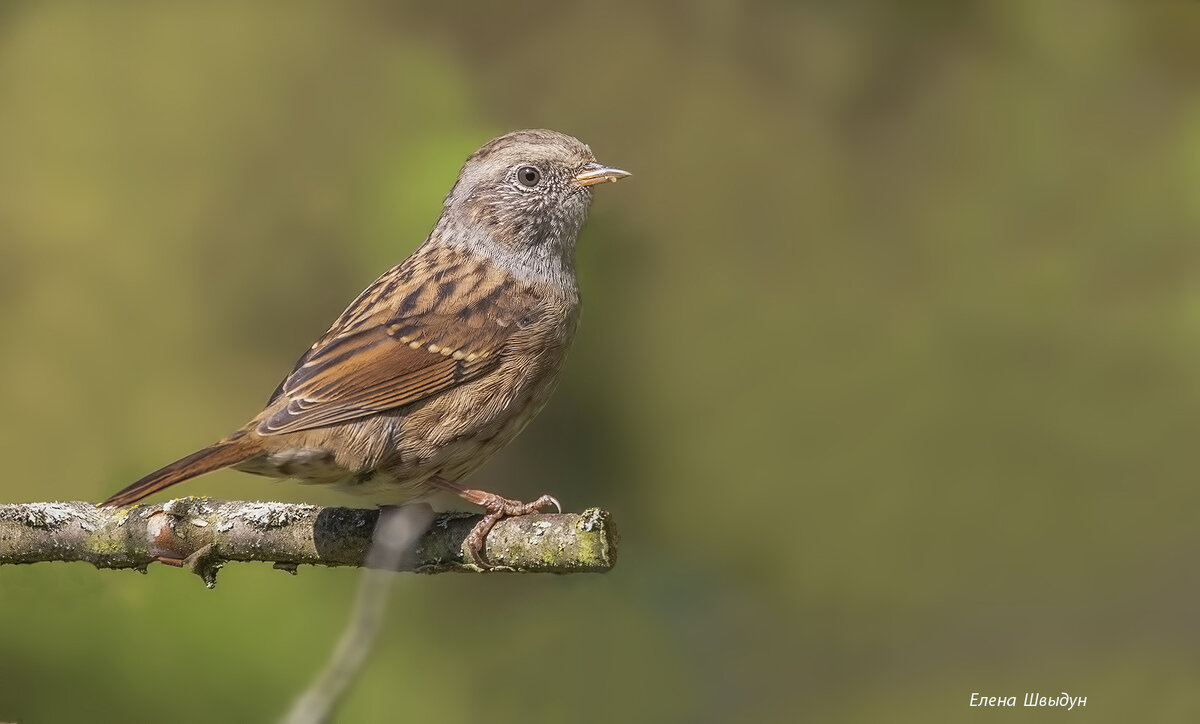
(370,372)
(399,343)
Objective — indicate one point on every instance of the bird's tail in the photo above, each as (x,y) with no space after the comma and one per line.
(214,457)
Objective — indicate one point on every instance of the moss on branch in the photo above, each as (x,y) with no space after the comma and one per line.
(204,534)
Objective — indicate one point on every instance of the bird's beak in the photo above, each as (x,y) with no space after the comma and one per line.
(597,173)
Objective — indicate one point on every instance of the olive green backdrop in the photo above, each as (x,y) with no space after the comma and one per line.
(889,367)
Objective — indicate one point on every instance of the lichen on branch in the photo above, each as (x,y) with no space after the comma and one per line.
(204,534)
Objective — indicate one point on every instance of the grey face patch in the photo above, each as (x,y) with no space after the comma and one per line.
(527,230)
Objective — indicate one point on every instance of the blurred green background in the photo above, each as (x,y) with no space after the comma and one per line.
(889,368)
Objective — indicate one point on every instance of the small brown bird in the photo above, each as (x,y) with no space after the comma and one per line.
(446,357)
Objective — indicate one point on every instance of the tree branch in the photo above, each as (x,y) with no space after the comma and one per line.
(205,534)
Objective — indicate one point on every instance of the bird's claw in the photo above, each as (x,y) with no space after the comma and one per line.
(497,509)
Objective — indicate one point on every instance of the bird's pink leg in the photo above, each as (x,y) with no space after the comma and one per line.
(495,508)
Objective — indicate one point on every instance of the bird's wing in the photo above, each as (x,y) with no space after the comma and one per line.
(397,344)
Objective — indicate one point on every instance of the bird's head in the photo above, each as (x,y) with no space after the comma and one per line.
(521,200)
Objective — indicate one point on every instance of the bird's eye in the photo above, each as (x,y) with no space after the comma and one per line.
(529,176)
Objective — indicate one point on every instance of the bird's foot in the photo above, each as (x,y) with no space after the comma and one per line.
(496,508)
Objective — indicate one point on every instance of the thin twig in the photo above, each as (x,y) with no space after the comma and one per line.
(393,549)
